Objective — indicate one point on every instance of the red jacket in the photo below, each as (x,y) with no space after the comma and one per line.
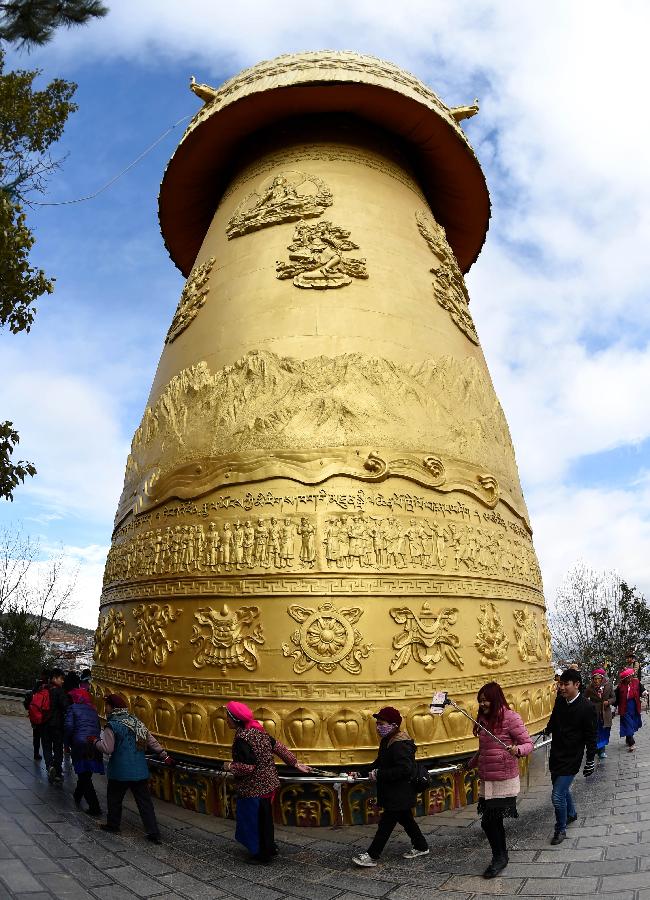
(494,762)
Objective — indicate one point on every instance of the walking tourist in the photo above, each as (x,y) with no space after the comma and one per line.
(601,693)
(498,768)
(628,702)
(52,727)
(393,772)
(573,729)
(256,780)
(37,704)
(82,721)
(125,739)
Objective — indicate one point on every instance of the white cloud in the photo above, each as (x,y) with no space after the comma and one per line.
(560,291)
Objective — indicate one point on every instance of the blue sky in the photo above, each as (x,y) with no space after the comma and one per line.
(559,294)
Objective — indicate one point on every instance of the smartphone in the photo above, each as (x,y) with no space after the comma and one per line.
(438,703)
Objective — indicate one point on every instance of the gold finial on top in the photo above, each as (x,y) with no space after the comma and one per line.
(204,91)
(464,112)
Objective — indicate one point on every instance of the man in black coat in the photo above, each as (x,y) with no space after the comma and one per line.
(52,728)
(394,771)
(573,725)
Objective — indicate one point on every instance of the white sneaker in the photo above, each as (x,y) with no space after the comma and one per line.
(364,860)
(412,853)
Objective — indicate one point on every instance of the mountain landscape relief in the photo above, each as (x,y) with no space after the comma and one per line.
(267,402)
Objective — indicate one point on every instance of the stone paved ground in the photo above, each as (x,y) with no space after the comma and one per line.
(50,850)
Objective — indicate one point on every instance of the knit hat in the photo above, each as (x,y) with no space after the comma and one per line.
(389,714)
(625,673)
(598,672)
(116,701)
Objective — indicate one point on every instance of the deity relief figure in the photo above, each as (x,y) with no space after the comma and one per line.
(316,258)
(281,198)
(109,636)
(425,637)
(307,534)
(326,639)
(491,641)
(230,641)
(547,640)
(449,286)
(527,635)
(193,297)
(150,641)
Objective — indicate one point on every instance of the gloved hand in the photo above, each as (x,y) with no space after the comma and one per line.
(589,769)
(168,760)
(91,739)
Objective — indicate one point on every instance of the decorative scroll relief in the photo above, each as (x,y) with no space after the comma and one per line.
(193,297)
(150,643)
(109,636)
(339,542)
(280,198)
(491,641)
(326,639)
(449,287)
(316,258)
(225,639)
(425,638)
(547,640)
(527,635)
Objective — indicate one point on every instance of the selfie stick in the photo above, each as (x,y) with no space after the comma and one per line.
(449,702)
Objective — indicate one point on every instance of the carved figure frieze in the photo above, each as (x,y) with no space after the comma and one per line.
(193,298)
(149,642)
(316,257)
(326,639)
(280,198)
(109,635)
(336,542)
(226,638)
(449,285)
(426,637)
(527,634)
(491,640)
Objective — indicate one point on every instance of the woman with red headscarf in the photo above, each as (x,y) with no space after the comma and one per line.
(628,701)
(256,780)
(498,768)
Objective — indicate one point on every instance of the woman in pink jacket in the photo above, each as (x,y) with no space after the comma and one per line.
(498,768)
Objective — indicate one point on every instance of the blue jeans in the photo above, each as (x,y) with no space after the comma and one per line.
(562,800)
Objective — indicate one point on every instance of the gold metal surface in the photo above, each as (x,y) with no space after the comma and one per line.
(321,511)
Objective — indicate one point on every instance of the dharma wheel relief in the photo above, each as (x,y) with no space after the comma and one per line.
(321,509)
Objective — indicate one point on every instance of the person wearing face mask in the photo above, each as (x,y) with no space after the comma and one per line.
(498,768)
(393,772)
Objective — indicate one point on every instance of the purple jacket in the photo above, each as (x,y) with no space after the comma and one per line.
(81,721)
(494,762)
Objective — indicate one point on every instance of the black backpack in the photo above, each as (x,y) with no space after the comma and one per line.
(421,780)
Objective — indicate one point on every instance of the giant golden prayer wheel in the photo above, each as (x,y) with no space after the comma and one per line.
(321,511)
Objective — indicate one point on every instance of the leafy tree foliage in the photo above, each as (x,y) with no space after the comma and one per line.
(597,618)
(32,121)
(32,595)
(22,656)
(11,473)
(33,22)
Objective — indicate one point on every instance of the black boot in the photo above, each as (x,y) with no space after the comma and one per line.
(496,835)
